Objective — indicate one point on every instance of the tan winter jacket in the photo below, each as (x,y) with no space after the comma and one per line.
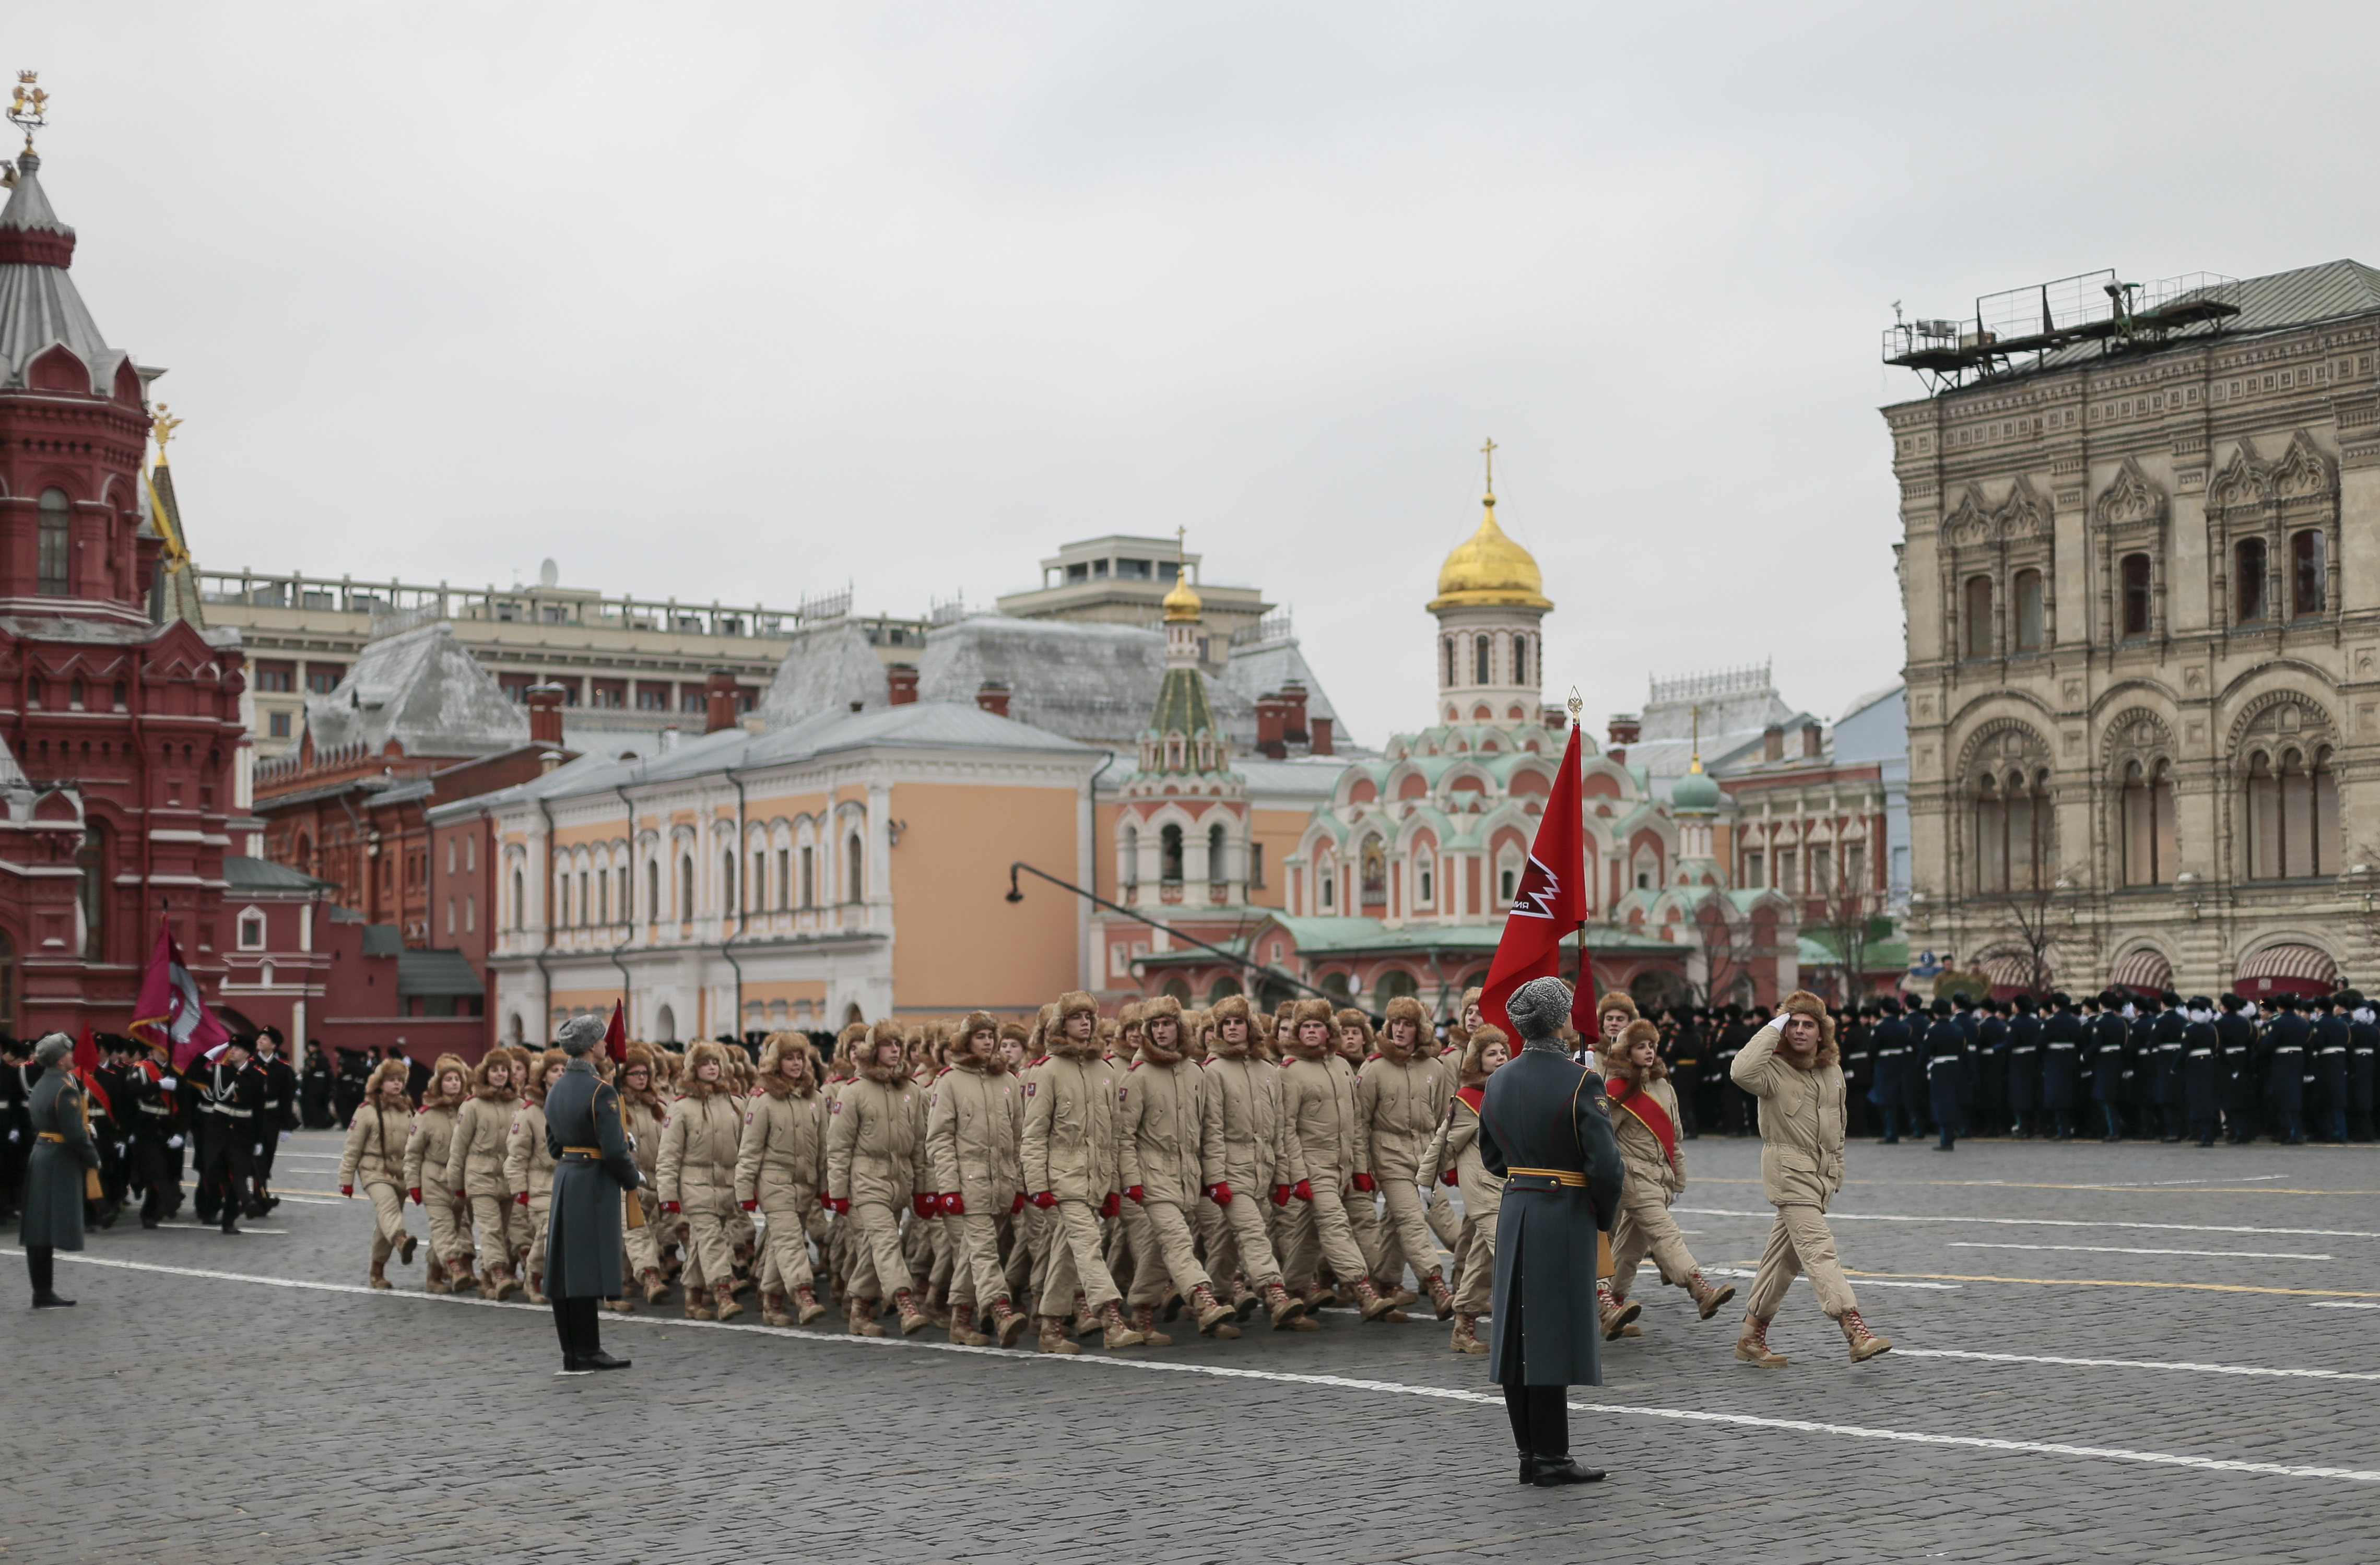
(1456,1146)
(1241,1145)
(645,1117)
(1162,1120)
(696,1167)
(1326,1140)
(375,1149)
(876,1139)
(1069,1144)
(1801,1121)
(475,1157)
(1400,1097)
(528,1165)
(1640,1150)
(428,1144)
(975,1120)
(781,1155)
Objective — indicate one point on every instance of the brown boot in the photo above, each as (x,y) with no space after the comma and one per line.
(1008,1322)
(1400,1295)
(1144,1321)
(1246,1300)
(1285,1308)
(698,1304)
(1215,1318)
(807,1307)
(962,1330)
(862,1314)
(1614,1312)
(1865,1344)
(1441,1297)
(655,1288)
(937,1309)
(1632,1329)
(1053,1336)
(1120,1333)
(380,1275)
(1376,1304)
(1707,1299)
(435,1282)
(507,1283)
(1320,1298)
(405,1250)
(913,1319)
(723,1304)
(537,1289)
(1752,1344)
(1466,1334)
(621,1306)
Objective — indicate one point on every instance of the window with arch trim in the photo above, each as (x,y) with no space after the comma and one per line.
(520,901)
(857,869)
(2292,810)
(2136,601)
(55,550)
(685,888)
(1520,660)
(2026,591)
(2309,579)
(1979,616)
(1449,660)
(653,889)
(2149,848)
(2008,793)
(1480,653)
(2247,580)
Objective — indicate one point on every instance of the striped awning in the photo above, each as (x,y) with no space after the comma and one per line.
(2145,971)
(2008,969)
(2296,968)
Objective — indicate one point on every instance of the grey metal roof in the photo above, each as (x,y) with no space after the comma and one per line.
(382,939)
(1260,668)
(827,668)
(2329,291)
(1085,679)
(422,690)
(1315,776)
(242,873)
(436,972)
(39,305)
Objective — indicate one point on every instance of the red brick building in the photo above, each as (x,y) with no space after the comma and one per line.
(123,735)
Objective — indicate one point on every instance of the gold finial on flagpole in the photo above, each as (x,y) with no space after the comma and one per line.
(161,428)
(1574,704)
(26,110)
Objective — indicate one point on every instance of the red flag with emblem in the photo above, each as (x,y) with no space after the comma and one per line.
(1549,904)
(170,1011)
(615,1036)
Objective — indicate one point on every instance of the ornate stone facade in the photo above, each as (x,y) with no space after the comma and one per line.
(2144,651)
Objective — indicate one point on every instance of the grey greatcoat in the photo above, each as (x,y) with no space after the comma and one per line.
(582,1233)
(1543,1111)
(54,1182)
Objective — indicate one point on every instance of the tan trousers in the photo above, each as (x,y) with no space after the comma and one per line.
(537,1209)
(879,1270)
(1800,1242)
(977,1277)
(520,1227)
(1163,1250)
(643,1244)
(786,1244)
(1040,1228)
(1408,1230)
(1443,1223)
(450,1230)
(1018,1268)
(1371,1235)
(710,1250)
(492,1218)
(1320,1234)
(388,1219)
(1646,1228)
(1475,1292)
(1076,1261)
(1241,1245)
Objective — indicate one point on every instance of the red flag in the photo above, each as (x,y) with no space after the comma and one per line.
(1551,902)
(86,1068)
(170,1011)
(615,1036)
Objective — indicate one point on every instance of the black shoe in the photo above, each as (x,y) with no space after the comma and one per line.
(229,1226)
(599,1359)
(1553,1472)
(1944,1146)
(1528,1467)
(48,1300)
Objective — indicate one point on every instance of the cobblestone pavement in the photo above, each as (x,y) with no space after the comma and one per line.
(2140,1353)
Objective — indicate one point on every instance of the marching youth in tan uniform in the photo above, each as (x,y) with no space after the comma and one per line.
(1161,1131)
(975,1117)
(644,1116)
(1327,1152)
(475,1168)
(876,1166)
(1644,1110)
(427,1148)
(780,1171)
(1072,1171)
(1241,1145)
(1455,1154)
(697,1179)
(1401,1098)
(529,1166)
(374,1159)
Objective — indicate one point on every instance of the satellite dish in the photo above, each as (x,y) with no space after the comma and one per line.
(548,574)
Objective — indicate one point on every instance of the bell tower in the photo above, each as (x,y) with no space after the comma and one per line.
(1490,600)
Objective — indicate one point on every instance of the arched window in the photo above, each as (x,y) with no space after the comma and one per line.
(55,550)
(653,889)
(2308,579)
(1376,871)
(520,901)
(665,1024)
(1326,879)
(809,878)
(2027,589)
(1479,655)
(1131,875)
(2292,813)
(2248,579)
(1520,660)
(90,867)
(727,902)
(1979,616)
(1449,660)
(1425,880)
(1393,984)
(1169,855)
(603,896)
(2136,594)
(685,888)
(855,867)
(562,900)
(1215,867)
(1508,884)
(2148,827)
(1222,988)
(2011,827)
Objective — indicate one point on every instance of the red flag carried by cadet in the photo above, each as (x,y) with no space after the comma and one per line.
(1551,905)
(615,1036)
(169,1011)
(85,1067)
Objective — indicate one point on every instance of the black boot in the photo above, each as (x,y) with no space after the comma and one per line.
(41,1268)
(1516,1408)
(1549,1438)
(565,1328)
(588,1329)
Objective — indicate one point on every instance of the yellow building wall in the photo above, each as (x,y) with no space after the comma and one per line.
(1277,831)
(958,942)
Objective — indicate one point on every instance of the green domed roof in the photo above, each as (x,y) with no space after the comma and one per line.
(1695,793)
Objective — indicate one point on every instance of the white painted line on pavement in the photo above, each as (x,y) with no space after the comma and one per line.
(211,1227)
(2119,1250)
(1338,1382)
(2343,1304)
(1863,1283)
(2056,1222)
(2139,1364)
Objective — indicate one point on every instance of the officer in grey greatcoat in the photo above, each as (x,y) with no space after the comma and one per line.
(593,1170)
(1543,1131)
(61,1151)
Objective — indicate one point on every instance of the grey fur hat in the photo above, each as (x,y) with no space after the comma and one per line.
(1540,1008)
(53,1047)
(580,1036)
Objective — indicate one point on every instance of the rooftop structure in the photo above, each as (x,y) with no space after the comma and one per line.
(1123,579)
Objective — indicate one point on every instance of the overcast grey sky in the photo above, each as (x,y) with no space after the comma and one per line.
(746,301)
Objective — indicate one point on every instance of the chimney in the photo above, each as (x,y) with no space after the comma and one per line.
(1293,701)
(992,697)
(1272,724)
(1318,736)
(1810,739)
(719,701)
(545,714)
(1772,743)
(902,680)
(1624,730)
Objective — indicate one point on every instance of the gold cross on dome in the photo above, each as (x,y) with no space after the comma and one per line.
(1488,451)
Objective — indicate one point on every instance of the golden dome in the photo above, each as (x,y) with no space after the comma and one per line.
(1488,568)
(1180,604)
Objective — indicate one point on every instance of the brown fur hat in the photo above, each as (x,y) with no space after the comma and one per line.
(479,1088)
(1316,1010)
(1074,1001)
(1016,1030)
(638,1054)
(1164,1008)
(781,1047)
(1471,997)
(397,1069)
(692,1085)
(1230,1008)
(975,1022)
(1616,1000)
(1405,1008)
(1348,1017)
(863,1054)
(533,1089)
(434,1095)
(1612,1054)
(1802,1003)
(1474,1052)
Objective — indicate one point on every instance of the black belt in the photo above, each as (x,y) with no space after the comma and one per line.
(1548,1184)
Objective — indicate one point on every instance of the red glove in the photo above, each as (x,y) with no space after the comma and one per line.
(1364,1183)
(462,1197)
(1281,1194)
(924,1204)
(346,1190)
(672,1207)
(1451,1176)
(749,1205)
(521,1199)
(1017,1206)
(1111,1205)
(1139,1197)
(1219,1193)
(1303,1190)
(842,1208)
(954,1205)
(414,1194)
(1044,1199)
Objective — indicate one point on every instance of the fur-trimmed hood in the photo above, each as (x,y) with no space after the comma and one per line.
(1234,1008)
(1617,1000)
(863,1054)
(1475,1051)
(774,1053)
(433,1096)
(1405,1008)
(1804,1002)
(1164,1008)
(691,1085)
(962,1058)
(509,1092)
(398,1070)
(1300,1013)
(650,1097)
(1611,1054)
(1075,1002)
(533,1089)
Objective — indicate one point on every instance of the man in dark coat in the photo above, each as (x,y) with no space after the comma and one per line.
(2109,1049)
(55,1169)
(2285,1046)
(2236,1067)
(1858,1067)
(2326,1059)
(1681,1050)
(316,1093)
(1543,1130)
(2362,1063)
(1893,1046)
(153,1108)
(230,1093)
(279,1113)
(1945,1050)
(2200,1085)
(1987,1089)
(2166,1091)
(2023,1068)
(593,1168)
